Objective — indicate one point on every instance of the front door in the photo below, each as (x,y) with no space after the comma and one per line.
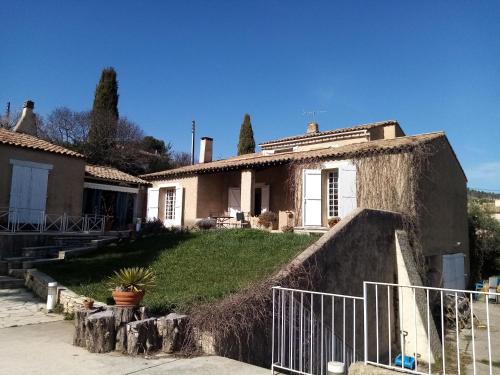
(312,197)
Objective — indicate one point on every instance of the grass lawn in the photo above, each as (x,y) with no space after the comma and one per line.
(191,268)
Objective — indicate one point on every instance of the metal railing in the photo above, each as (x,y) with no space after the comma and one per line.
(28,220)
(412,329)
(310,329)
(431,330)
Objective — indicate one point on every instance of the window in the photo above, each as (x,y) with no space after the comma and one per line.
(333,193)
(170,204)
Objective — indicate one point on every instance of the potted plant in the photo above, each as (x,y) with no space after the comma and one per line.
(332,221)
(128,285)
(88,303)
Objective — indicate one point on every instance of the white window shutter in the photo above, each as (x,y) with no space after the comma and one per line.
(234,201)
(153,199)
(265,198)
(347,189)
(178,206)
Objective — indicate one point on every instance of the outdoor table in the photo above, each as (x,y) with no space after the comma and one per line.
(222,221)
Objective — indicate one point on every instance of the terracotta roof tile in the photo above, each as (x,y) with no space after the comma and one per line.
(112,174)
(334,131)
(28,141)
(399,144)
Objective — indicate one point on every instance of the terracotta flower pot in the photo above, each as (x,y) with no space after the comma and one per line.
(127,298)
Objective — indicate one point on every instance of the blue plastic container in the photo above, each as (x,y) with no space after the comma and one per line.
(409,362)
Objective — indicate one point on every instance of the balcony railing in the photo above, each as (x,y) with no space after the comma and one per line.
(29,220)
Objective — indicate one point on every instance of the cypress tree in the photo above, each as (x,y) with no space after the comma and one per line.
(246,144)
(104,117)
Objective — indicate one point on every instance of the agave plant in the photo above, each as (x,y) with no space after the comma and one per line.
(135,279)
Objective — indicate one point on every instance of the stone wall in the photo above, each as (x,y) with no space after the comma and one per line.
(38,282)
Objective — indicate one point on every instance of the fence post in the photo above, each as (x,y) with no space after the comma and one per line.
(365,316)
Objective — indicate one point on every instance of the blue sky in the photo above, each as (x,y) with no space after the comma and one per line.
(432,65)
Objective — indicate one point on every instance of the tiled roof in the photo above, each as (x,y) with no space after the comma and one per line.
(334,131)
(398,144)
(112,174)
(28,141)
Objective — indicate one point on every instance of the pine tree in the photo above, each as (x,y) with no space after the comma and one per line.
(246,144)
(104,117)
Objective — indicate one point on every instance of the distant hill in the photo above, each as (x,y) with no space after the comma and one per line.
(472,193)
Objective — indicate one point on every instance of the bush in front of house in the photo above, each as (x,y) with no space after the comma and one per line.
(268,219)
(206,224)
(153,226)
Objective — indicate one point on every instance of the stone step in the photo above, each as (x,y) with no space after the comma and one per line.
(7,282)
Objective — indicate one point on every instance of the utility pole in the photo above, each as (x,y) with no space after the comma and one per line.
(193,126)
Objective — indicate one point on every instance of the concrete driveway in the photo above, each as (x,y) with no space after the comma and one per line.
(46,348)
(34,342)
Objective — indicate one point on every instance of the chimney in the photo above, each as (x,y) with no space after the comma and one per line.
(27,121)
(312,127)
(206,147)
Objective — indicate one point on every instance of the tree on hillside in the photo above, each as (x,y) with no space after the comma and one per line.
(154,145)
(484,242)
(102,134)
(67,128)
(246,144)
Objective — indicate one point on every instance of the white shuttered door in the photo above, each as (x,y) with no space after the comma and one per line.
(234,201)
(347,189)
(312,197)
(153,197)
(454,271)
(28,193)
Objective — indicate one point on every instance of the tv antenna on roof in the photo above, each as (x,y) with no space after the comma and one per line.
(312,114)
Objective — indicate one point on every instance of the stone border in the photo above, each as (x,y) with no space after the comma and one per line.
(38,281)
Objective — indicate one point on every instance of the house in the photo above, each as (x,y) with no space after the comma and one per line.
(41,181)
(312,179)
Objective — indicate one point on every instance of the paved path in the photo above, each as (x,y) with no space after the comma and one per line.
(20,307)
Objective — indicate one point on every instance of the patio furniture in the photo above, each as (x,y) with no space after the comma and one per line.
(222,221)
(240,217)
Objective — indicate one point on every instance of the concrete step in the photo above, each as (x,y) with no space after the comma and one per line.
(42,251)
(4,267)
(37,262)
(17,273)
(17,262)
(7,282)
(77,251)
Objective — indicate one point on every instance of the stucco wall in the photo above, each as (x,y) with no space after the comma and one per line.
(65,184)
(443,214)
